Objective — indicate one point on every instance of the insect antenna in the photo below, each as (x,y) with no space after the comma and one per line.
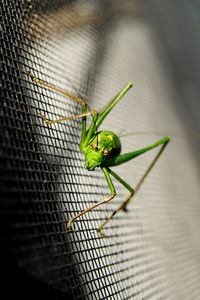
(176,134)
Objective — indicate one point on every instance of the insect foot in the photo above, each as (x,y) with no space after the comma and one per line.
(46,120)
(69,225)
(101,232)
(32,77)
(28,72)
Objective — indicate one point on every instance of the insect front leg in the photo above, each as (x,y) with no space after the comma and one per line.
(103,201)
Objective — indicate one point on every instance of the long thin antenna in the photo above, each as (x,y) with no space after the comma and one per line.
(178,134)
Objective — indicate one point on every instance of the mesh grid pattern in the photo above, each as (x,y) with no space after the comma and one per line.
(93,49)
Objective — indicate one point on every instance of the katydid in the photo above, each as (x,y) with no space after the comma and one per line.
(102,148)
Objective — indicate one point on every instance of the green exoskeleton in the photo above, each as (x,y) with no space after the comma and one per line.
(102,148)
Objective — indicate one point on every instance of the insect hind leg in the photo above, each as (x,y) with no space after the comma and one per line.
(123,205)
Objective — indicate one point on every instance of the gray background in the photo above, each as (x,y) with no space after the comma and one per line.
(152,251)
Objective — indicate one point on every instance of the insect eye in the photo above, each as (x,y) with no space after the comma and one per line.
(105,152)
(94,147)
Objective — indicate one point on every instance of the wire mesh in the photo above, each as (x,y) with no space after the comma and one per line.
(92,49)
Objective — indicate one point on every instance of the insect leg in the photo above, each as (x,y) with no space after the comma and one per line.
(96,122)
(123,205)
(53,88)
(104,200)
(81,101)
(128,187)
(112,103)
(122,158)
(49,122)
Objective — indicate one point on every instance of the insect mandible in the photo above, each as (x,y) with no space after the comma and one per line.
(102,149)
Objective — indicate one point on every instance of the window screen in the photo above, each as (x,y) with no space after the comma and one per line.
(92,49)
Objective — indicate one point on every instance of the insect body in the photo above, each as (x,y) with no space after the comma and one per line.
(102,148)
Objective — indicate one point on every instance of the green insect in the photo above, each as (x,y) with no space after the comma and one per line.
(102,148)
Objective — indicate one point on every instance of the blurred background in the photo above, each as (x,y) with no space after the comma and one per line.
(92,49)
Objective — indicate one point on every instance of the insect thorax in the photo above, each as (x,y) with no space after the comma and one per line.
(104,145)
